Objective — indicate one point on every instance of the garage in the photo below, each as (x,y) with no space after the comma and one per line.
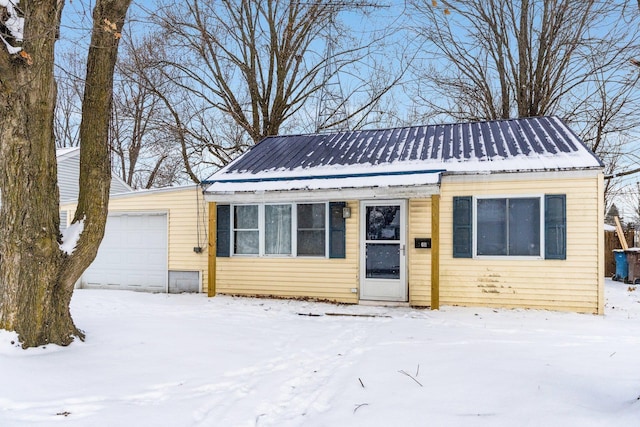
(133,254)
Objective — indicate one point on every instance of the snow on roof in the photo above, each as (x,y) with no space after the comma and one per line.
(147,191)
(404,156)
(327,182)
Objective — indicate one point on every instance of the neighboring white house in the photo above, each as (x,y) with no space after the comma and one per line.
(68,177)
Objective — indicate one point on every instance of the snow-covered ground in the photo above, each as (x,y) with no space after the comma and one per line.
(189,360)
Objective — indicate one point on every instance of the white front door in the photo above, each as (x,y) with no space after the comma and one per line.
(383,231)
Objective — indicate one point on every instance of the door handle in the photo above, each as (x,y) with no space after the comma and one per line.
(403,249)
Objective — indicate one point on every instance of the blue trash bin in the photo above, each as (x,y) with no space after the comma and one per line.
(622,266)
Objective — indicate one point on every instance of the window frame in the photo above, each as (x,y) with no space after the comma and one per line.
(262,231)
(234,230)
(506,197)
(294,231)
(327,213)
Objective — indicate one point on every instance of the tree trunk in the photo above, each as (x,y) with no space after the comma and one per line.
(36,277)
(524,62)
(32,302)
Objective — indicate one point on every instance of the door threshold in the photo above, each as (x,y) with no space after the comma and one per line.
(372,303)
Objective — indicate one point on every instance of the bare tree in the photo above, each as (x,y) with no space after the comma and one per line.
(260,62)
(498,59)
(493,59)
(144,154)
(70,85)
(191,140)
(139,143)
(36,275)
(634,200)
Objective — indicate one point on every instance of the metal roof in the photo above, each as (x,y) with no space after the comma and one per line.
(446,142)
(527,144)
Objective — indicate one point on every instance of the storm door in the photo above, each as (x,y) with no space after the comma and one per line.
(383,231)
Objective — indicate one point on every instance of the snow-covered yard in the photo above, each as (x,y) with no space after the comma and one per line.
(189,360)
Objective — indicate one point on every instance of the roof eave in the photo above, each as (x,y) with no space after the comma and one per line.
(325,194)
(520,171)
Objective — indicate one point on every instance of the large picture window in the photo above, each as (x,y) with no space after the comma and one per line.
(510,226)
(285,229)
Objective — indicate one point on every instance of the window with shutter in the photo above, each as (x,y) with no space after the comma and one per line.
(510,227)
(283,229)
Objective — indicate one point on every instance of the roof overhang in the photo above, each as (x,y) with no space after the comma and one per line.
(327,187)
(525,175)
(407,184)
(342,194)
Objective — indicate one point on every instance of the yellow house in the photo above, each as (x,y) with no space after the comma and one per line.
(155,241)
(499,214)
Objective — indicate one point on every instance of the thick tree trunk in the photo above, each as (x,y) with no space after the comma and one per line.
(33,302)
(36,276)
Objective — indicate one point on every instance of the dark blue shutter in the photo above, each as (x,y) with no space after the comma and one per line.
(223,232)
(462,227)
(555,226)
(337,230)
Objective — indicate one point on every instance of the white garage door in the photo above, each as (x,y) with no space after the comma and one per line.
(132,255)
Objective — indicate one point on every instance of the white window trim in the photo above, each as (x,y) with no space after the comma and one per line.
(327,213)
(262,230)
(508,257)
(294,230)
(232,239)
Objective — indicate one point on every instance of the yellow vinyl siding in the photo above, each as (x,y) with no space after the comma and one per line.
(187,216)
(321,278)
(419,262)
(601,245)
(574,284)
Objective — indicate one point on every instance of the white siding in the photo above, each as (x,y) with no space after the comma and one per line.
(69,174)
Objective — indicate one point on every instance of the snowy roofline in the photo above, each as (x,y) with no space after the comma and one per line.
(143,192)
(353,182)
(62,153)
